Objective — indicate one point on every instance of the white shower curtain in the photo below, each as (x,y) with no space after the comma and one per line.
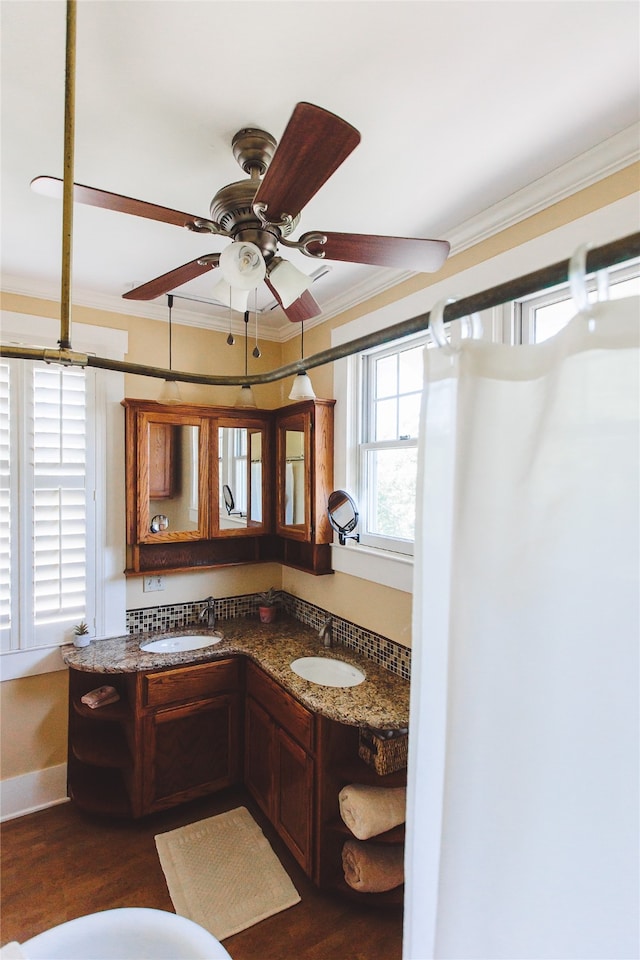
(522,827)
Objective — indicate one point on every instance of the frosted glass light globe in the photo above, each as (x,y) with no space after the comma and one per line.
(242,265)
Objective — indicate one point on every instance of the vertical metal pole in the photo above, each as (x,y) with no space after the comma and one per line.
(67,189)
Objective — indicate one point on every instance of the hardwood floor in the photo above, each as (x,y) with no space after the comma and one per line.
(58,864)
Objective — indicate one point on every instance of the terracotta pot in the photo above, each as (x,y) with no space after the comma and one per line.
(267,614)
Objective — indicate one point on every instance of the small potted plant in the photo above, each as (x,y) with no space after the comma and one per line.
(268,604)
(81,636)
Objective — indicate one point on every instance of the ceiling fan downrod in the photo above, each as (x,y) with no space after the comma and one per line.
(67,187)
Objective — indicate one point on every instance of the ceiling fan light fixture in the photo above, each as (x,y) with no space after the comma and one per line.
(231,296)
(242,265)
(288,282)
(302,388)
(245,397)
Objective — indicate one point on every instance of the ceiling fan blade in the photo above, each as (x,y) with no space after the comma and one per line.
(172,279)
(422,256)
(313,145)
(52,187)
(304,308)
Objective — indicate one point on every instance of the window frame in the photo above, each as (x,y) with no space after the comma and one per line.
(367,444)
(105,548)
(27,631)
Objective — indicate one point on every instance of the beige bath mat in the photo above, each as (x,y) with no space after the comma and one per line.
(223,874)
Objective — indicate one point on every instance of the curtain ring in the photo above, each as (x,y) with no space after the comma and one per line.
(473,325)
(578,278)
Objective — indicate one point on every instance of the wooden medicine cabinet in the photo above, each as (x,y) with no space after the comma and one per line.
(207,486)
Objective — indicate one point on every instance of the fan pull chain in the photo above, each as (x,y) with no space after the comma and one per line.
(246,340)
(230,339)
(256,349)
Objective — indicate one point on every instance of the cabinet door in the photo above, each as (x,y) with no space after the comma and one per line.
(294,470)
(171,481)
(293,800)
(259,766)
(190,751)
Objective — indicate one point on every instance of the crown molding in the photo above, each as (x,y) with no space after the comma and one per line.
(584,170)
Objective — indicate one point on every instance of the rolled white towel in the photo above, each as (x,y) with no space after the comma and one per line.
(369,811)
(373,867)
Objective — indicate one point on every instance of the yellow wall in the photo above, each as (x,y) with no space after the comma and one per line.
(33,710)
(33,735)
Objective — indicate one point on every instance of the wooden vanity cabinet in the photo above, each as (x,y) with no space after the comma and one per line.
(304,480)
(177,733)
(174,735)
(191,723)
(279,762)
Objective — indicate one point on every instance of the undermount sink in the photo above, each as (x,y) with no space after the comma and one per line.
(328,672)
(180,644)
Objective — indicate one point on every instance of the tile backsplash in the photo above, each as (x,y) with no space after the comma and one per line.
(387,653)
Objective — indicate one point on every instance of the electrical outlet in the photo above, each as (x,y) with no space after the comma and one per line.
(153,583)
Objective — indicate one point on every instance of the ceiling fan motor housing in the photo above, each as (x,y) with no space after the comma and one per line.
(253,149)
(232,206)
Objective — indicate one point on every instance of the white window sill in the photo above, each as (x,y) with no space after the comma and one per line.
(29,663)
(378,566)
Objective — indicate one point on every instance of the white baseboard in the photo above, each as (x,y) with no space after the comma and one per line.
(33,791)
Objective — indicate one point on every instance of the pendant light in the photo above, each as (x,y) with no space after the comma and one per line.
(170,391)
(245,397)
(302,388)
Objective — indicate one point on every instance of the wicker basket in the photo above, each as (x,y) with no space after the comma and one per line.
(385,754)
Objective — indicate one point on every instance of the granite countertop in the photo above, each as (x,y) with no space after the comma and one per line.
(381,701)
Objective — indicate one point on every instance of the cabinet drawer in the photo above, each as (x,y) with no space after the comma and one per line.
(285,709)
(190,683)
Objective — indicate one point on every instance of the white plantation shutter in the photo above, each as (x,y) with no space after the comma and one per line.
(47,477)
(59,437)
(62,496)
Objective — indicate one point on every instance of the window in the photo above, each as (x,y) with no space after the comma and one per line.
(62,496)
(392,378)
(46,512)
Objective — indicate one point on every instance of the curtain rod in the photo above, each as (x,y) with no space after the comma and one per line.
(598,258)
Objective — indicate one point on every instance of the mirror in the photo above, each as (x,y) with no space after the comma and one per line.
(343,515)
(240,458)
(294,478)
(173,476)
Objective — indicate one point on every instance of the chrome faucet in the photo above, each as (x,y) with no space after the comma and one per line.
(209,613)
(326,632)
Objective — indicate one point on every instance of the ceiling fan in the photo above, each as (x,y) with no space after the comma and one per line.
(259,214)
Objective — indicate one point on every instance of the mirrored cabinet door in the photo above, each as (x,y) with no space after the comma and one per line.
(172,479)
(243,480)
(293,462)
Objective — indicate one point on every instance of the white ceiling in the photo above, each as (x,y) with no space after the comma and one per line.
(459,104)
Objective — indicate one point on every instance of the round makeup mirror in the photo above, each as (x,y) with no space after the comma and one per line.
(343,515)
